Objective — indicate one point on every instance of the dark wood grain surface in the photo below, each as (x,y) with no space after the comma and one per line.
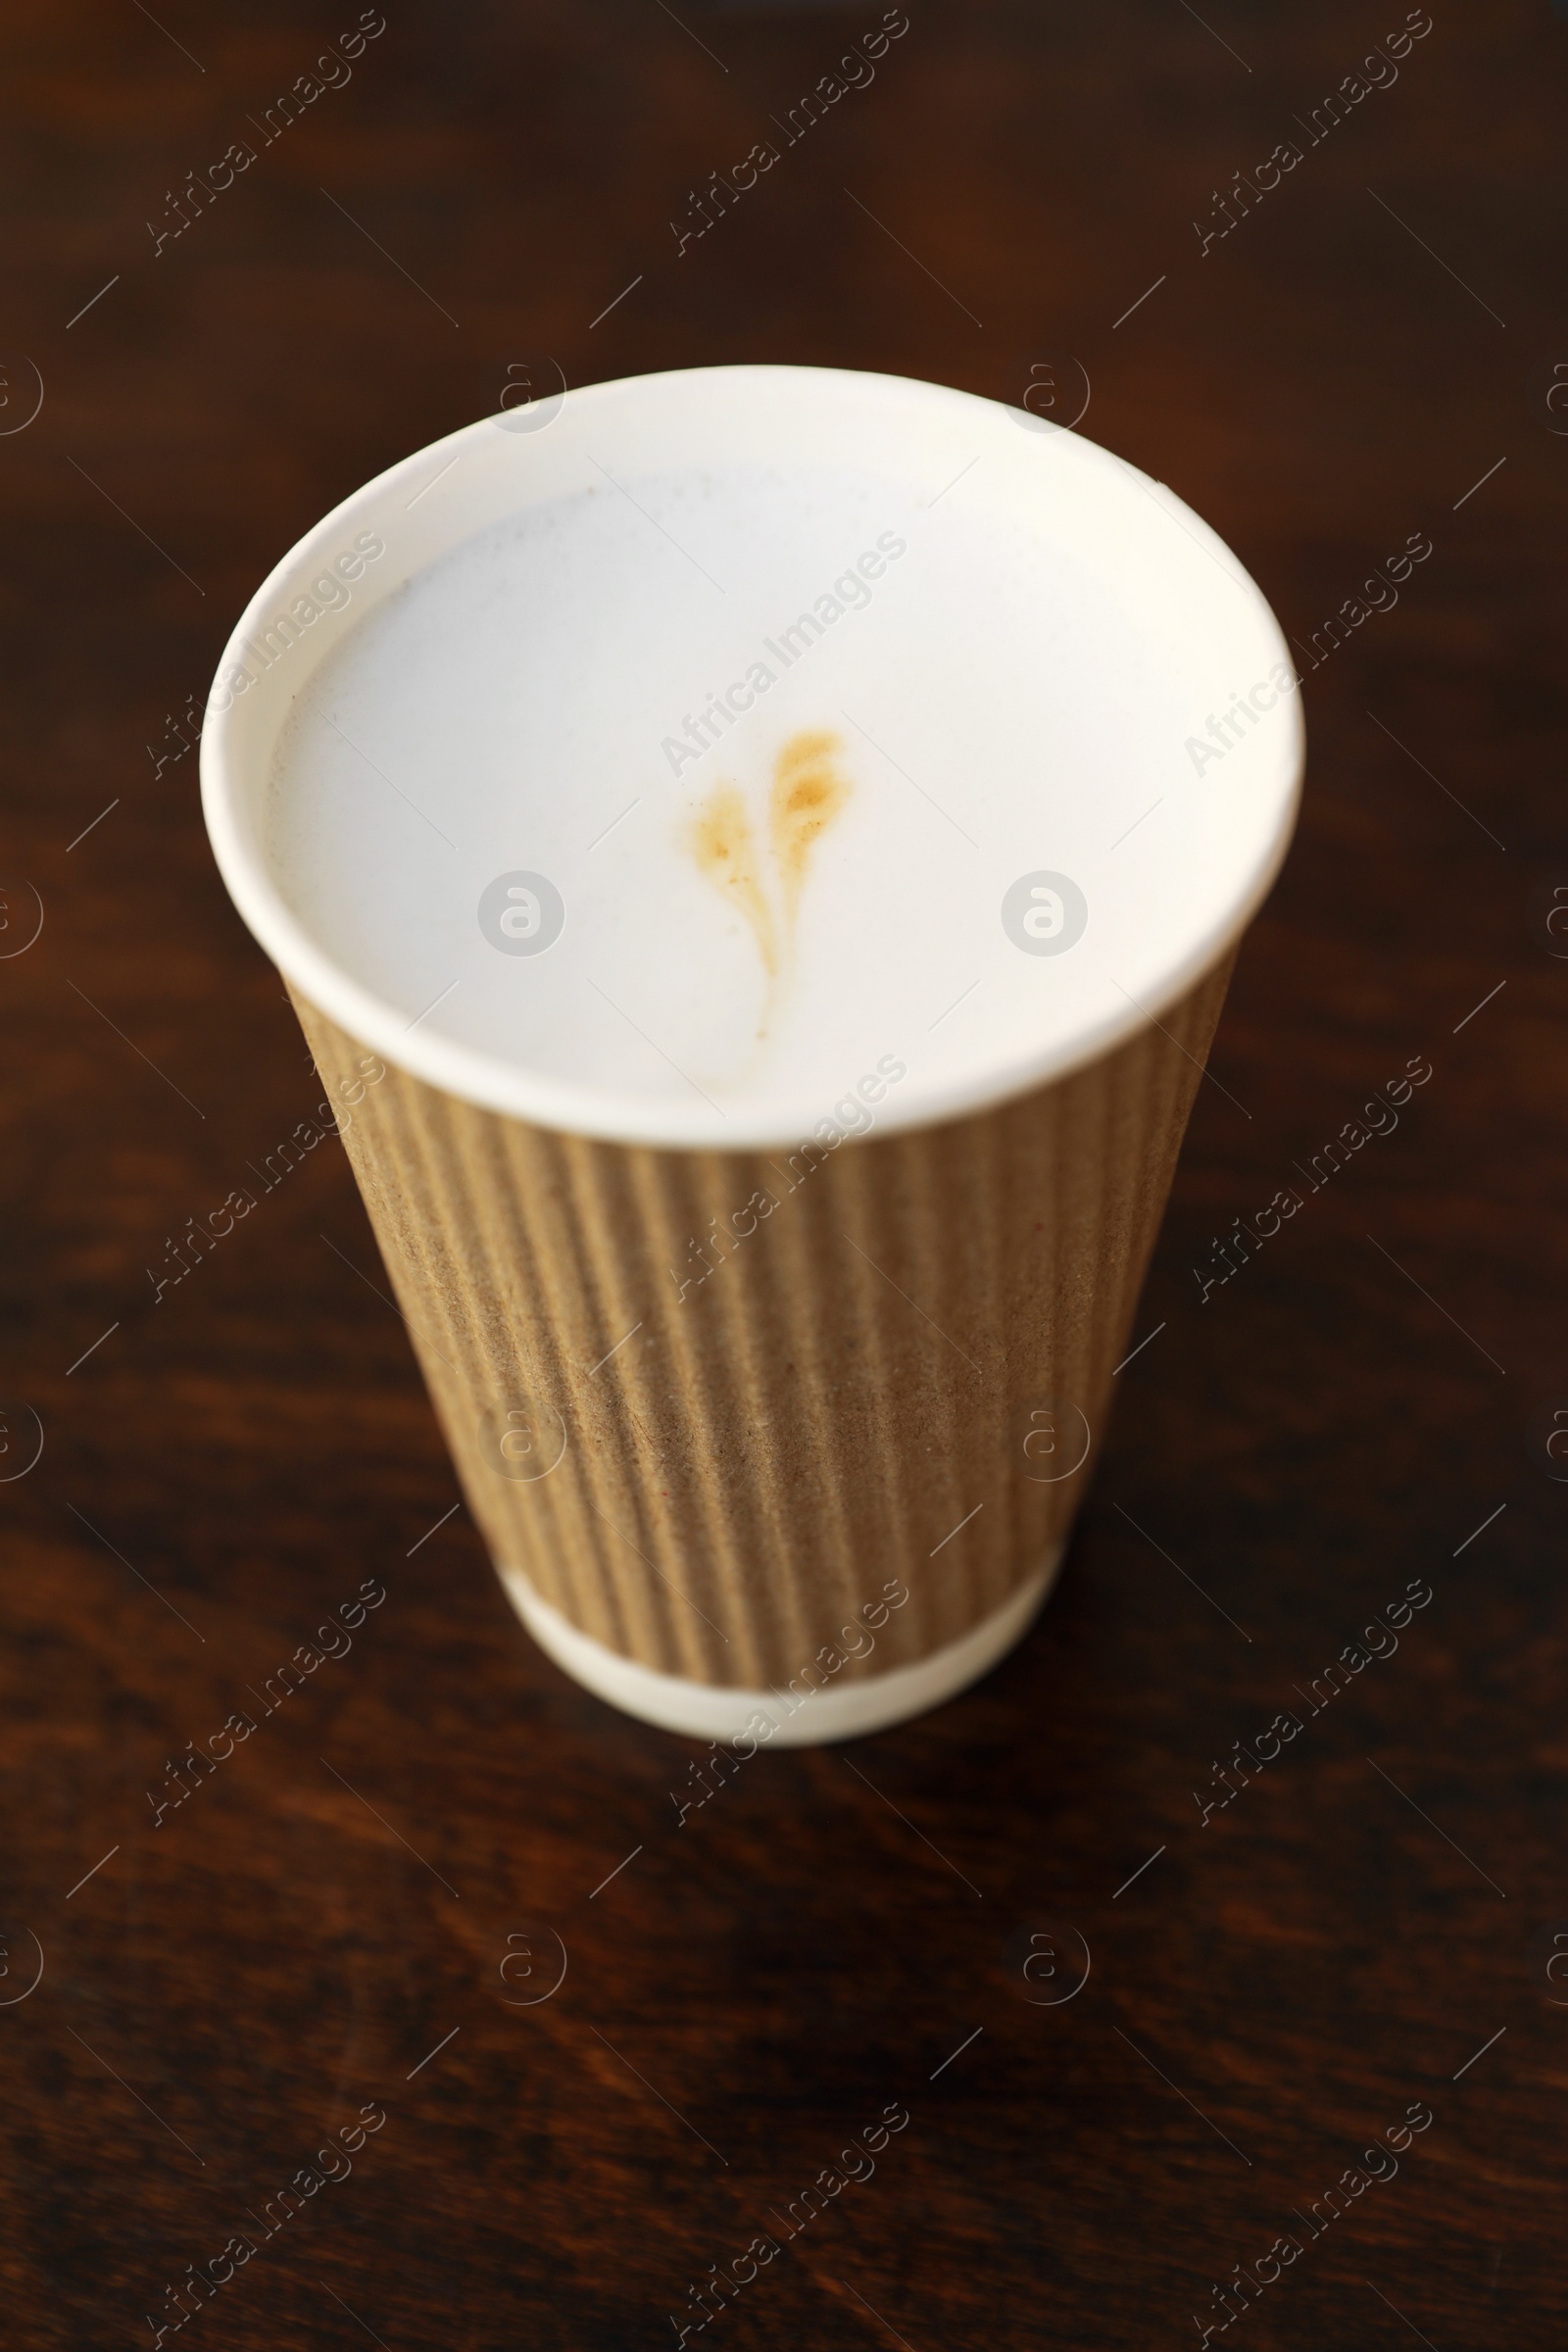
(1366,1928)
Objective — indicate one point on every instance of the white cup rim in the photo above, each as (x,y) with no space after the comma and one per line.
(229,760)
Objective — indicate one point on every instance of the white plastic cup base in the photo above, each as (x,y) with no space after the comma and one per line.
(712,1711)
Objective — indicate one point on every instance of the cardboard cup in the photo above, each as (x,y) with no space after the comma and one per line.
(775,1426)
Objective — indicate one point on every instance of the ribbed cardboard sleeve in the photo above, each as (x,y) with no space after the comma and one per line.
(715,1406)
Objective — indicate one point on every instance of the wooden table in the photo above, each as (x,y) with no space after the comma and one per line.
(352,1915)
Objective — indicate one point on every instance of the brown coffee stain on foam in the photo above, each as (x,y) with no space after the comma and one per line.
(809,792)
(721,840)
(810,788)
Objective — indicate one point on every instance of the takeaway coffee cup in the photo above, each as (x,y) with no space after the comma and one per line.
(763,854)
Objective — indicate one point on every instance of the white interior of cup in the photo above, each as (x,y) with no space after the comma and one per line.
(1064,719)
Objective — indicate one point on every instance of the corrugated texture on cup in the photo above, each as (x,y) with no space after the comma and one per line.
(917,1337)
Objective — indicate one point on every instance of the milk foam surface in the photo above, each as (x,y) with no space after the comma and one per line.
(981,698)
